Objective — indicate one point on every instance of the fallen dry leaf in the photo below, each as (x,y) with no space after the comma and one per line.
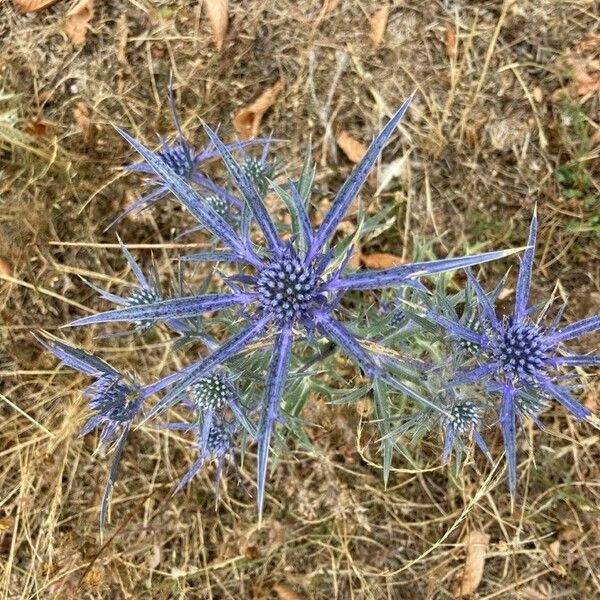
(5,267)
(590,44)
(76,21)
(380,260)
(591,401)
(586,83)
(285,593)
(378,24)
(158,50)
(585,75)
(537,94)
(476,544)
(122,37)
(247,120)
(81,115)
(330,5)
(451,46)
(34,5)
(352,148)
(219,19)
(6,523)
(569,534)
(355,257)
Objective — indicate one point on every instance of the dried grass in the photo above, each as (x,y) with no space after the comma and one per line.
(483,150)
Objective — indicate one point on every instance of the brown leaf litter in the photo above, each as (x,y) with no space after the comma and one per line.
(76,21)
(472,573)
(352,148)
(34,5)
(378,22)
(246,121)
(217,11)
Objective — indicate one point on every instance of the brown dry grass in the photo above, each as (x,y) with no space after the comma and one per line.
(485,136)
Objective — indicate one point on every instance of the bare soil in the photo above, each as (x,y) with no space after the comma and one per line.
(504,118)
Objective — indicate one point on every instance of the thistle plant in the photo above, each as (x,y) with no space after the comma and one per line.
(520,356)
(280,297)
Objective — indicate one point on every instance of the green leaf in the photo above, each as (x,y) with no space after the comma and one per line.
(383,415)
(307,177)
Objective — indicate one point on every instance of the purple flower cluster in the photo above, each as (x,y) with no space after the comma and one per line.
(521,356)
(286,294)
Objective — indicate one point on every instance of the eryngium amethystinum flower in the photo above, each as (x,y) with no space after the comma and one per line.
(148,292)
(259,171)
(522,355)
(214,442)
(116,400)
(284,289)
(211,393)
(461,421)
(187,162)
(210,399)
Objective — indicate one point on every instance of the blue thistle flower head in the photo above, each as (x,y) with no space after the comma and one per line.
(520,349)
(214,439)
(260,172)
(115,397)
(141,297)
(146,293)
(463,420)
(186,162)
(470,347)
(219,441)
(290,290)
(220,206)
(116,400)
(179,156)
(522,356)
(211,393)
(529,406)
(459,420)
(285,289)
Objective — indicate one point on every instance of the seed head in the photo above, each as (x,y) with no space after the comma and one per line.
(178,159)
(288,288)
(210,393)
(140,297)
(521,350)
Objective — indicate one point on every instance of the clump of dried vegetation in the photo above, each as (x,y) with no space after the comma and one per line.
(506,115)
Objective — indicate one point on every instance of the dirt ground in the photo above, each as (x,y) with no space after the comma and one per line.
(506,116)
